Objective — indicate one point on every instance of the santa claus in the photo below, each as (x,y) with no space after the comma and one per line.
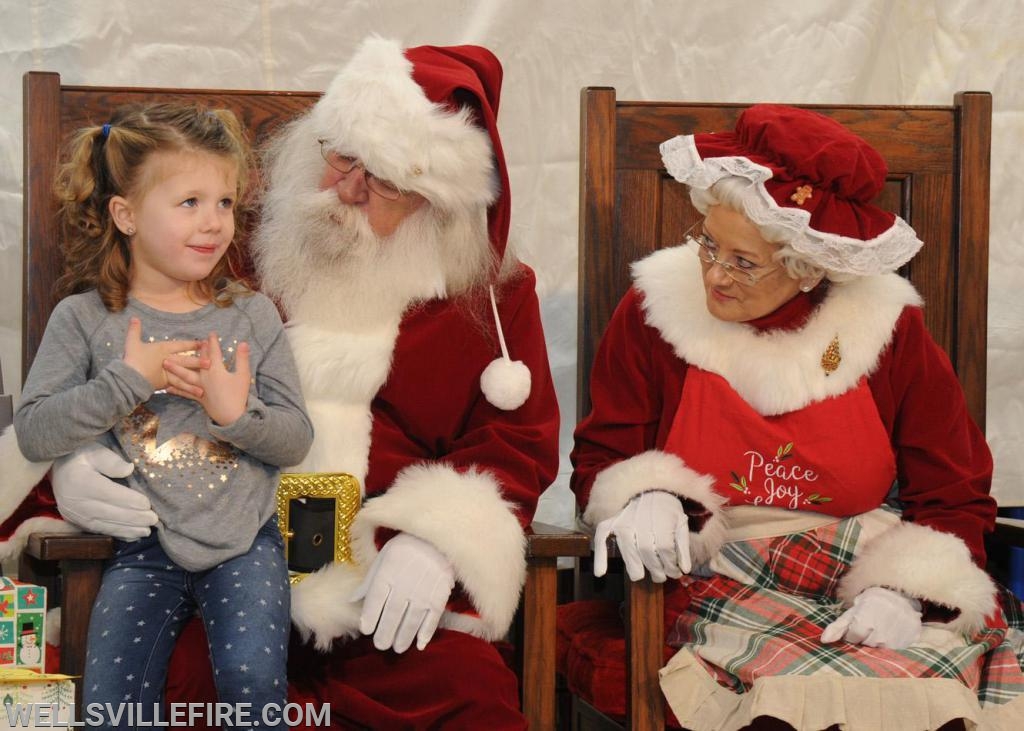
(420,348)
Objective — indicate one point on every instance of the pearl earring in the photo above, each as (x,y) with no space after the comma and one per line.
(130,231)
(806,287)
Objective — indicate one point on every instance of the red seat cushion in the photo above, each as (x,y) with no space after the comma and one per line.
(591,655)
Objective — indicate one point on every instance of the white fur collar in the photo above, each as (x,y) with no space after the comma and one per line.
(775,371)
(341,371)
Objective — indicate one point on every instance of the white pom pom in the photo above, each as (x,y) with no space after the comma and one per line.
(506,383)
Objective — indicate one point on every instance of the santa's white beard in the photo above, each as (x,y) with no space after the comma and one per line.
(334,270)
(323,263)
(327,265)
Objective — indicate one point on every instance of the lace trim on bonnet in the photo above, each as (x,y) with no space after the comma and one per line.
(840,254)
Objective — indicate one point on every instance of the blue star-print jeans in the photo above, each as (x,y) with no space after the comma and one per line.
(144,601)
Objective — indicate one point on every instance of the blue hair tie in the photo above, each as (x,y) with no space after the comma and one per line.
(106,130)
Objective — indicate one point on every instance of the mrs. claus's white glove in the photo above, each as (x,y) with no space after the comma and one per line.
(652,532)
(405,590)
(87,497)
(878,618)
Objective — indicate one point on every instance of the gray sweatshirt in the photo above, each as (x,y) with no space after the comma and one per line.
(211,486)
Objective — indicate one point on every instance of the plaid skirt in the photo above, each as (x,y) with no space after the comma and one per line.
(750,645)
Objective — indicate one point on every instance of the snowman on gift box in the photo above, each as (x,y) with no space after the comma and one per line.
(29,652)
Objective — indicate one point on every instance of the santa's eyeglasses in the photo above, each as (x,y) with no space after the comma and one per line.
(345,164)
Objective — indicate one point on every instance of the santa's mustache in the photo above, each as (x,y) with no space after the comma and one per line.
(311,249)
(331,233)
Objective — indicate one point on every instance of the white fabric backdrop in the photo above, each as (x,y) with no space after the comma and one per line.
(826,51)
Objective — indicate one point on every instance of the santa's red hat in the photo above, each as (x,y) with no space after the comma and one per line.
(809,175)
(425,119)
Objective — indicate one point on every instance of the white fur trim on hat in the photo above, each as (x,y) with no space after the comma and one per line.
(776,371)
(375,111)
(20,474)
(465,517)
(886,252)
(925,564)
(321,605)
(656,470)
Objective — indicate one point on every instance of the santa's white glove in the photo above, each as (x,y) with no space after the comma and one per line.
(405,592)
(652,531)
(87,497)
(878,618)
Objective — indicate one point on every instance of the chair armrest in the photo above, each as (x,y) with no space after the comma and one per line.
(65,546)
(1009,531)
(552,541)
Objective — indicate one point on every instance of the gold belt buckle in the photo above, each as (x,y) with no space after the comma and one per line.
(311,488)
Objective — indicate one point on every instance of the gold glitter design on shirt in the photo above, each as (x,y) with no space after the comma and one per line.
(184,459)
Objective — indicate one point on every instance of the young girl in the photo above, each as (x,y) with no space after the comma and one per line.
(148,211)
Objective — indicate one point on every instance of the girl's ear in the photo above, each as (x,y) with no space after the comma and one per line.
(122,214)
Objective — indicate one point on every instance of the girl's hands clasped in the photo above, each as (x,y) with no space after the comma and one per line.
(149,358)
(222,393)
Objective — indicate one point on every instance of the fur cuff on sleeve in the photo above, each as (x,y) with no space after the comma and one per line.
(321,606)
(20,475)
(926,564)
(464,516)
(12,545)
(657,470)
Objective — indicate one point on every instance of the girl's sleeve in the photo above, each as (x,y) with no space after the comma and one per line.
(62,408)
(275,427)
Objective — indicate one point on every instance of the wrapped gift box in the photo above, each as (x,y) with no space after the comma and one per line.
(22,625)
(35,700)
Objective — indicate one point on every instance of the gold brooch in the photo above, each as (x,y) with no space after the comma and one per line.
(831,358)
(802,194)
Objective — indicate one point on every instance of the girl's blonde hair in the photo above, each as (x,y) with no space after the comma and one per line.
(106,161)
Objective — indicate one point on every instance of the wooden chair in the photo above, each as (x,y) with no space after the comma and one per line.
(938,158)
(51,113)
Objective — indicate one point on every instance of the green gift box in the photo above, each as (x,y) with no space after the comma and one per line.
(22,625)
